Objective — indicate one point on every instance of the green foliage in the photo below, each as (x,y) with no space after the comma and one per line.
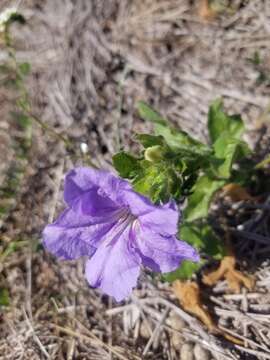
(255,59)
(150,140)
(176,139)
(4,297)
(229,150)
(184,272)
(12,247)
(156,180)
(202,237)
(200,199)
(126,165)
(172,164)
(147,113)
(220,124)
(12,77)
(16,17)
(258,64)
(21,119)
(25,68)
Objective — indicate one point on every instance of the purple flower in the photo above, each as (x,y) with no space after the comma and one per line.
(117,229)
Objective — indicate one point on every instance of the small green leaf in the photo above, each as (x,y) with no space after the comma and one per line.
(184,272)
(11,248)
(126,164)
(199,201)
(147,113)
(23,104)
(263,163)
(152,182)
(255,59)
(229,150)
(212,244)
(203,238)
(3,209)
(23,120)
(190,233)
(150,140)
(25,68)
(179,140)
(4,297)
(16,17)
(219,123)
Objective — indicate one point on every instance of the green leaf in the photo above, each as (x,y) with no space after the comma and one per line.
(4,297)
(12,247)
(219,123)
(156,181)
(212,244)
(263,163)
(179,140)
(25,68)
(23,104)
(23,120)
(229,150)
(255,59)
(203,238)
(190,233)
(199,201)
(126,164)
(184,272)
(16,17)
(147,113)
(150,140)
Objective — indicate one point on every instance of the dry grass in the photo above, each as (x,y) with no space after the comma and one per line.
(92,60)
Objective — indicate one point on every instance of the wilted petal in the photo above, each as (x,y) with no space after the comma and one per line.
(162,253)
(115,267)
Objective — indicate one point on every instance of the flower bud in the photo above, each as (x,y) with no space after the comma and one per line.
(153,153)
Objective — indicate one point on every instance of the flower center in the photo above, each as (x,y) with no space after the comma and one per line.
(124,220)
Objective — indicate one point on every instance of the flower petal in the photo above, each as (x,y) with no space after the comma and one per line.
(95,205)
(83,179)
(162,253)
(74,234)
(160,218)
(115,267)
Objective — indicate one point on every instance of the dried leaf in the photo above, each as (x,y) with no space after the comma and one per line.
(237,193)
(188,294)
(205,11)
(227,271)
